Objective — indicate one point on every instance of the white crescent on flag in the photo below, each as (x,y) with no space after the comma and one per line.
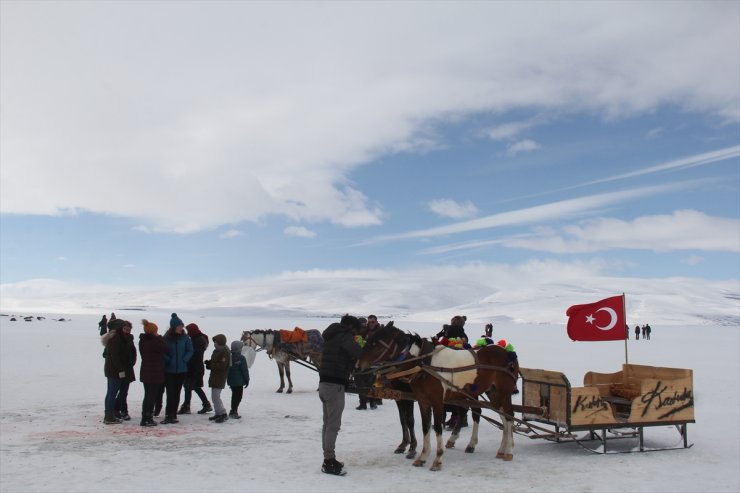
(613,320)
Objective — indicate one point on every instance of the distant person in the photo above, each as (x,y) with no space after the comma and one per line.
(179,352)
(219,366)
(370,326)
(338,357)
(637,332)
(103,325)
(455,329)
(116,362)
(644,331)
(111,319)
(152,348)
(122,398)
(196,371)
(238,378)
(647,331)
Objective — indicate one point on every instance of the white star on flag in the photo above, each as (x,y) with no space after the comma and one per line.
(590,319)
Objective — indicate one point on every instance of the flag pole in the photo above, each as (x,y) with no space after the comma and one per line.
(626,328)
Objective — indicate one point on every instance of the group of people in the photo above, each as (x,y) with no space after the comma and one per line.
(645,330)
(170,363)
(341,349)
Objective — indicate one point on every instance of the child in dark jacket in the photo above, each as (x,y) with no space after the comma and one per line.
(219,366)
(238,378)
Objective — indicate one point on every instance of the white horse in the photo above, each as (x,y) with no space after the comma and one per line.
(283,353)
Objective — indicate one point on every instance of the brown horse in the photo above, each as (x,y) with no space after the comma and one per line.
(443,374)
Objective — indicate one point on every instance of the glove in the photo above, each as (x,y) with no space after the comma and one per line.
(121,374)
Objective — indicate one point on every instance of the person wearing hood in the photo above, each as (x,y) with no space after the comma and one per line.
(116,363)
(338,357)
(238,378)
(103,325)
(196,371)
(122,398)
(152,348)
(179,352)
(219,366)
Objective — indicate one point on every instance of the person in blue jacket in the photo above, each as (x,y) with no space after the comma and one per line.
(179,352)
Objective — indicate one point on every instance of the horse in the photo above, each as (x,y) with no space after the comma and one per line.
(284,352)
(438,374)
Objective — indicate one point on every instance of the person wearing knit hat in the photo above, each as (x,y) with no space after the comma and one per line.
(219,366)
(196,371)
(179,353)
(238,378)
(175,322)
(152,349)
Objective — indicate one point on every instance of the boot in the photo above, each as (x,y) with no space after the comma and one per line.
(169,419)
(234,415)
(146,420)
(110,418)
(221,418)
(361,407)
(333,466)
(124,415)
(184,409)
(207,408)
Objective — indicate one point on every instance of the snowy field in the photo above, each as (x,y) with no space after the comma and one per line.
(52,438)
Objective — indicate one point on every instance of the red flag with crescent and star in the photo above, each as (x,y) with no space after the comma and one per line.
(601,321)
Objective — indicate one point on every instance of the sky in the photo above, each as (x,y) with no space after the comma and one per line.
(154,144)
(53,439)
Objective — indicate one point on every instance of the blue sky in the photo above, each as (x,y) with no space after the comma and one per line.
(151,143)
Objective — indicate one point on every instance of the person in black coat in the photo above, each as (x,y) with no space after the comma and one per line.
(338,357)
(196,371)
(122,398)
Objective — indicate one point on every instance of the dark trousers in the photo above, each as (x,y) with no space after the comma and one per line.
(152,392)
(236,397)
(189,392)
(173,383)
(114,385)
(122,398)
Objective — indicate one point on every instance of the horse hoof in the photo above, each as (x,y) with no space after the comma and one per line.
(436,467)
(505,457)
(469,450)
(411,455)
(290,391)
(449,445)
(279,391)
(419,463)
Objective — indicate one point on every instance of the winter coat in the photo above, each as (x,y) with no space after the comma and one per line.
(116,354)
(219,366)
(103,326)
(130,357)
(196,370)
(179,352)
(452,332)
(152,348)
(339,354)
(239,371)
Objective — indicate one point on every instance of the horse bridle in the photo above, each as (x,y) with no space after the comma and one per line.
(395,354)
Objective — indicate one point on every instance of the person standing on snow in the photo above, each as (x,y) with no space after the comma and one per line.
(179,352)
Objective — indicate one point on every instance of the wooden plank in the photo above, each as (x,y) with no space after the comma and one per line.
(543,376)
(664,401)
(589,408)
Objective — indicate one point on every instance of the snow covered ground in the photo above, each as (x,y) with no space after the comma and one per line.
(52,438)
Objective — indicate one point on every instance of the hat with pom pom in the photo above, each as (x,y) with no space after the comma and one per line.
(149,327)
(175,321)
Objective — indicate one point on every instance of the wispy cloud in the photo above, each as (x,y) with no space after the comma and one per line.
(553,210)
(232,233)
(299,231)
(682,230)
(522,146)
(453,209)
(654,133)
(693,260)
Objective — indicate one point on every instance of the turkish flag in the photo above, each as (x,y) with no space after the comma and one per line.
(601,321)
